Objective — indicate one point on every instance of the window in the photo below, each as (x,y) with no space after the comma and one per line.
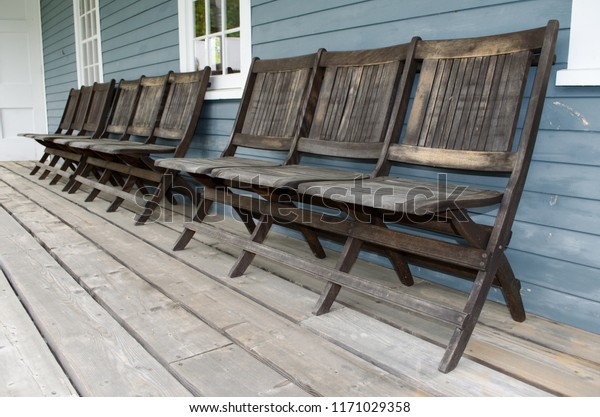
(87,35)
(216,33)
(583,67)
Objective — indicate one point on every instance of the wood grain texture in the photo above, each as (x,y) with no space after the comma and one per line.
(389,348)
(539,344)
(76,328)
(225,309)
(28,367)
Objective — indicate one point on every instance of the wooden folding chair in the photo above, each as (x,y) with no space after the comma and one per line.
(270,118)
(114,130)
(133,117)
(174,125)
(464,117)
(94,123)
(64,126)
(75,126)
(361,98)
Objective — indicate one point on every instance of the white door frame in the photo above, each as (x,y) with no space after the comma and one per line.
(22,89)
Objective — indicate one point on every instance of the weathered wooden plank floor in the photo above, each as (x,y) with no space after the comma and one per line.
(121,314)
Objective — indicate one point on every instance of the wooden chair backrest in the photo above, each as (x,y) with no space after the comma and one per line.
(69,112)
(358,102)
(148,105)
(83,105)
(273,104)
(122,107)
(182,108)
(99,107)
(468,100)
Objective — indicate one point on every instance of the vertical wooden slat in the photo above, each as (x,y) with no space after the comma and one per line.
(454,109)
(490,98)
(434,105)
(508,110)
(458,132)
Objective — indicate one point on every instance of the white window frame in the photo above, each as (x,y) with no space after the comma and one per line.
(96,60)
(228,86)
(583,66)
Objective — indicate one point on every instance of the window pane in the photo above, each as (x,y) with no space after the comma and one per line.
(94,52)
(214,54)
(88,24)
(200,11)
(200,54)
(232,50)
(233,14)
(93,28)
(215,16)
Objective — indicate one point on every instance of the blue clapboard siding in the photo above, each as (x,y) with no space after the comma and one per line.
(60,69)
(139,37)
(554,248)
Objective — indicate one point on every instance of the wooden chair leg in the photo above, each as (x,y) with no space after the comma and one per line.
(187,234)
(344,264)
(42,160)
(511,290)
(246,218)
(102,180)
(398,261)
(82,171)
(509,284)
(53,162)
(460,337)
(161,190)
(118,200)
(64,167)
(313,242)
(258,236)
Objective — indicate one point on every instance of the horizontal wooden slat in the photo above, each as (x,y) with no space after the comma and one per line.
(365,57)
(455,159)
(125,169)
(367,150)
(205,165)
(363,286)
(127,148)
(482,46)
(445,252)
(286,64)
(262,142)
(113,191)
(62,154)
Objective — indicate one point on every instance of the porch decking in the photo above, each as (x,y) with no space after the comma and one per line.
(92,305)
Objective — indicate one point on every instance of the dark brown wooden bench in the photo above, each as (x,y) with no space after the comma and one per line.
(464,119)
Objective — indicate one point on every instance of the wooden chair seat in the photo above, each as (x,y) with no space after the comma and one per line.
(131,148)
(206,165)
(287,176)
(402,195)
(81,143)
